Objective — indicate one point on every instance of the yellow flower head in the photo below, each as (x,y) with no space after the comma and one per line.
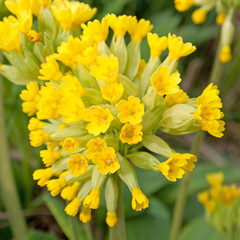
(16,6)
(38,137)
(33,36)
(139,29)
(111,219)
(139,200)
(38,4)
(70,192)
(112,92)
(141,67)
(157,45)
(220,18)
(225,54)
(130,111)
(199,16)
(208,111)
(77,164)
(178,97)
(131,134)
(106,68)
(177,48)
(165,83)
(72,14)
(95,146)
(71,144)
(92,200)
(43,176)
(50,70)
(55,186)
(35,124)
(119,24)
(73,207)
(106,160)
(215,179)
(49,157)
(183,5)
(99,118)
(96,31)
(203,197)
(85,215)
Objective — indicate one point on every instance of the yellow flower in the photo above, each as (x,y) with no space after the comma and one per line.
(183,5)
(50,70)
(33,36)
(119,24)
(95,146)
(203,197)
(177,48)
(49,157)
(35,124)
(70,144)
(141,67)
(106,68)
(96,31)
(112,92)
(38,137)
(215,179)
(199,16)
(99,118)
(31,98)
(43,176)
(225,54)
(165,83)
(55,186)
(138,30)
(77,164)
(177,165)
(220,18)
(38,4)
(25,21)
(15,6)
(73,207)
(131,134)
(92,200)
(106,160)
(157,45)
(139,200)
(85,215)
(72,14)
(70,192)
(111,219)
(178,97)
(208,111)
(130,111)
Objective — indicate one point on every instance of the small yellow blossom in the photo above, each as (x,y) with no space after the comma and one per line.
(85,215)
(49,157)
(99,118)
(77,164)
(199,16)
(130,111)
(131,134)
(50,70)
(183,5)
(73,207)
(95,146)
(220,18)
(112,92)
(38,4)
(111,219)
(35,124)
(55,186)
(215,179)
(70,192)
(43,176)
(38,137)
(165,83)
(141,67)
(177,48)
(139,200)
(225,54)
(33,36)
(157,45)
(106,160)
(15,6)
(203,197)
(25,21)
(106,69)
(71,144)
(178,97)
(92,200)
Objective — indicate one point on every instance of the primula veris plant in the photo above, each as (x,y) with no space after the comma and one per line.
(97,107)
(222,204)
(225,11)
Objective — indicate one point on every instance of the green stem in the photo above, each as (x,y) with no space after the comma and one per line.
(88,231)
(74,229)
(118,231)
(8,188)
(180,204)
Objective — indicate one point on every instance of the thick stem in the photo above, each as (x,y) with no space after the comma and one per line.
(88,231)
(118,231)
(8,188)
(74,229)
(180,204)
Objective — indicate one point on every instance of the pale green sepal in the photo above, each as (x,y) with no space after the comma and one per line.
(62,36)
(129,87)
(144,160)
(61,164)
(157,145)
(127,173)
(150,68)
(111,194)
(103,48)
(227,31)
(84,190)
(112,141)
(60,135)
(97,178)
(152,99)
(134,58)
(119,49)
(92,97)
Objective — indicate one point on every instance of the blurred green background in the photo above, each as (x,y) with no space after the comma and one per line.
(45,215)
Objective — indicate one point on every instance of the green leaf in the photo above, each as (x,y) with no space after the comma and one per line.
(34,234)
(129,87)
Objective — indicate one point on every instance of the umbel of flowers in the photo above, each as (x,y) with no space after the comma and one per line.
(222,203)
(225,11)
(96,106)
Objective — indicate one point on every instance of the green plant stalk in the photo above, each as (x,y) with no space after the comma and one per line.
(74,229)
(118,231)
(88,231)
(8,188)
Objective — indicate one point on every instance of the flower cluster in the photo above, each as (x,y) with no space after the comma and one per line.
(97,107)
(225,11)
(222,202)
